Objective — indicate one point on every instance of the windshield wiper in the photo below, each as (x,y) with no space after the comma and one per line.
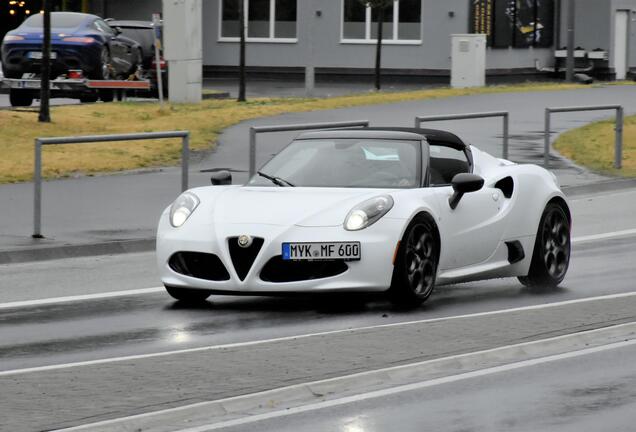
(276,180)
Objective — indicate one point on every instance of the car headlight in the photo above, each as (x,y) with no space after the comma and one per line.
(368,212)
(182,208)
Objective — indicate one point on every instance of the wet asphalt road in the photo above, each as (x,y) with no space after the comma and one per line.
(137,324)
(595,392)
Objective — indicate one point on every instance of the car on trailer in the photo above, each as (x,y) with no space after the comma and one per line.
(400,210)
(144,32)
(79,42)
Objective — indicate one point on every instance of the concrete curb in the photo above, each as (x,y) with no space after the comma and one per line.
(45,253)
(226,412)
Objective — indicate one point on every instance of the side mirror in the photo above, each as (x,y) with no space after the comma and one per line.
(118,31)
(221,178)
(464,183)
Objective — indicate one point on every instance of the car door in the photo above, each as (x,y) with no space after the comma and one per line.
(471,232)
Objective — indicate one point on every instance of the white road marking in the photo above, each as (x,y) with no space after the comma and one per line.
(604,236)
(309,335)
(602,195)
(406,388)
(268,394)
(83,297)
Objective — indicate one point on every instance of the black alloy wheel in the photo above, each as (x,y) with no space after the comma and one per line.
(416,264)
(551,255)
(188,295)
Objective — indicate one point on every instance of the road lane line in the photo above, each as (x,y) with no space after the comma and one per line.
(83,297)
(406,388)
(604,236)
(309,335)
(113,294)
(274,394)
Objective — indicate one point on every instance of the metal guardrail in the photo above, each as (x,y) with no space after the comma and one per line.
(254,130)
(618,146)
(39,142)
(503,114)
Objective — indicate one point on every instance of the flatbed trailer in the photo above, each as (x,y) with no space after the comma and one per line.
(22,91)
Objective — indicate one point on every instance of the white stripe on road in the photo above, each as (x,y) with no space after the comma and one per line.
(97,296)
(406,388)
(309,335)
(272,394)
(604,236)
(68,299)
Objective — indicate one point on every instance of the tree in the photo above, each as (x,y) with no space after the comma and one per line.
(380,7)
(45,93)
(241,11)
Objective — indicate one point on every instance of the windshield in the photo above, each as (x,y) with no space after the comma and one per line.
(364,163)
(58,20)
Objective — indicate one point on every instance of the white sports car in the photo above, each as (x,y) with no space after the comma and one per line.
(378,209)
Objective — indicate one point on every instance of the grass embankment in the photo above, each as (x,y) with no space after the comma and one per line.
(593,146)
(205,121)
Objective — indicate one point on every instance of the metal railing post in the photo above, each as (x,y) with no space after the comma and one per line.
(504,114)
(252,169)
(546,139)
(618,149)
(254,130)
(506,135)
(37,191)
(185,158)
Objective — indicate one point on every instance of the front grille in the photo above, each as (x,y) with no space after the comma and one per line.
(243,258)
(279,270)
(199,265)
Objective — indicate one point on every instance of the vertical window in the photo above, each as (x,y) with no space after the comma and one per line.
(265,19)
(230,18)
(402,21)
(355,20)
(285,23)
(514,23)
(258,18)
(409,21)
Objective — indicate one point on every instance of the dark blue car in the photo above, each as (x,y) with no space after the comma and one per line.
(78,41)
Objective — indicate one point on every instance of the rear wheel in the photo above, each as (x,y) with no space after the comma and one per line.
(103,71)
(551,255)
(90,98)
(188,294)
(416,264)
(20,98)
(106,95)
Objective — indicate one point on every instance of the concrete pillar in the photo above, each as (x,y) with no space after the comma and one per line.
(183,50)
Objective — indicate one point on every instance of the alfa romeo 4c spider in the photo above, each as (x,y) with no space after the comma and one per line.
(392,210)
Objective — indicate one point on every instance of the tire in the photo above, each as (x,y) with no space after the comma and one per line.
(416,264)
(89,98)
(13,74)
(106,95)
(551,254)
(20,98)
(188,295)
(103,72)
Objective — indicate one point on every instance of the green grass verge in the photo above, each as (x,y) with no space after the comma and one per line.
(205,121)
(592,146)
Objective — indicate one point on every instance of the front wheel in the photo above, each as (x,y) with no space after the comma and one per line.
(416,264)
(188,294)
(103,70)
(551,255)
(20,98)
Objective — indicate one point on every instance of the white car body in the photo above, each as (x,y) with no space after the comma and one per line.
(474,238)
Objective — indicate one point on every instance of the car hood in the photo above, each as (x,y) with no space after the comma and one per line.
(282,205)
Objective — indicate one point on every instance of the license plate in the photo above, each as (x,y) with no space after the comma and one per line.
(349,251)
(37,55)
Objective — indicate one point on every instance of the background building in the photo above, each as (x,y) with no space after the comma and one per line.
(338,36)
